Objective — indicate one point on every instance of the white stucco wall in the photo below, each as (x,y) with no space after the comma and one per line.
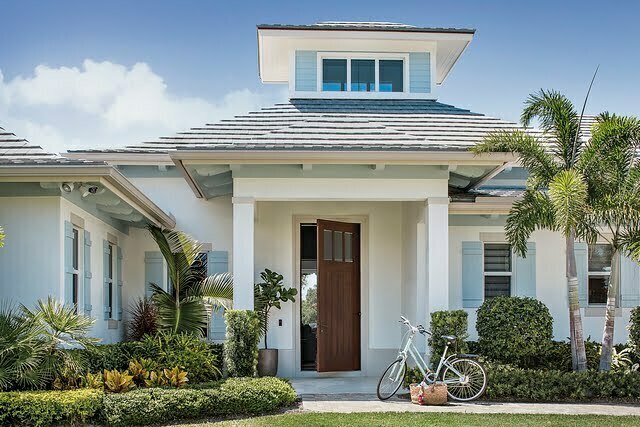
(30,262)
(551,286)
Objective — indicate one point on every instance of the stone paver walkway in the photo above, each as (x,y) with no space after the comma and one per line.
(358,395)
(365,403)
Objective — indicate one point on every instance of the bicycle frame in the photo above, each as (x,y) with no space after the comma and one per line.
(410,349)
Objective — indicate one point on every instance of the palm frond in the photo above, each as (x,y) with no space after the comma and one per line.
(559,120)
(568,195)
(534,211)
(187,314)
(217,291)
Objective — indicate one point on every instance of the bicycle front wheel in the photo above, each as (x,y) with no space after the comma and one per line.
(391,379)
(466,380)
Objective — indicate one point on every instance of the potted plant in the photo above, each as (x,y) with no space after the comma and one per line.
(268,294)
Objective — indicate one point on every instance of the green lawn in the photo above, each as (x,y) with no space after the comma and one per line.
(428,419)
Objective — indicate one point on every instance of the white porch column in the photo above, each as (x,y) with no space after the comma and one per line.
(243,246)
(436,219)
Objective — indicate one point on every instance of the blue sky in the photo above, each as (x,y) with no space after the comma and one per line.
(196,60)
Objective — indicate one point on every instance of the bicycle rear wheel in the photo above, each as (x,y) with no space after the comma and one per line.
(468,383)
(391,379)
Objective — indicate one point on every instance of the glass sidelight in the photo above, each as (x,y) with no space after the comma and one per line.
(308,295)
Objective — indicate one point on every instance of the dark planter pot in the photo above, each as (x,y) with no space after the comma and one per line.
(267,362)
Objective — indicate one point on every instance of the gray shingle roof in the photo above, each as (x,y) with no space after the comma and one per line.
(330,124)
(15,151)
(364,26)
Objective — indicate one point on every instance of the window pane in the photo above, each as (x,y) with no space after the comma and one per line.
(74,290)
(337,245)
(348,257)
(334,74)
(497,257)
(495,286)
(110,300)
(391,75)
(328,245)
(598,289)
(75,249)
(363,75)
(600,258)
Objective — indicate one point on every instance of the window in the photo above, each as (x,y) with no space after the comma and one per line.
(334,75)
(363,75)
(599,272)
(391,75)
(497,270)
(75,265)
(110,269)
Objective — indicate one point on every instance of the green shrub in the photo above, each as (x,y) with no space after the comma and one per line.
(186,351)
(507,383)
(201,359)
(514,330)
(453,322)
(634,330)
(241,345)
(44,408)
(234,396)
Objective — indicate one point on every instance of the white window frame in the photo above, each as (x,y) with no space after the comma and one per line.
(363,55)
(79,267)
(111,291)
(606,274)
(511,273)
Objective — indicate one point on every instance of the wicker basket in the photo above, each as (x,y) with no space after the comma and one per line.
(434,394)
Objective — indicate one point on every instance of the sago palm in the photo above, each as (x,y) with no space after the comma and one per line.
(610,164)
(556,194)
(187,305)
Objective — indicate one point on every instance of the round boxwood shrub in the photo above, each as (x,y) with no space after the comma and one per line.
(451,322)
(514,330)
(634,330)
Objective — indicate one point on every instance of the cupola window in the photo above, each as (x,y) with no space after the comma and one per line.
(391,71)
(363,73)
(334,75)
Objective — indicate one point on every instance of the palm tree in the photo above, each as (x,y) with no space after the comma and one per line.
(556,193)
(610,164)
(193,296)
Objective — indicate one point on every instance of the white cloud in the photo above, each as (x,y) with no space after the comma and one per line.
(102,104)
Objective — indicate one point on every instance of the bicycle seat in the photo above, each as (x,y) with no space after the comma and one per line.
(449,338)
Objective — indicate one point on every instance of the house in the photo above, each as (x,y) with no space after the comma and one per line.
(360,190)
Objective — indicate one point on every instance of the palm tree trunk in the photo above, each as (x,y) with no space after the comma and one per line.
(610,316)
(578,353)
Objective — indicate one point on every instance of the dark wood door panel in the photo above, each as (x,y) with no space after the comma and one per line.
(338,296)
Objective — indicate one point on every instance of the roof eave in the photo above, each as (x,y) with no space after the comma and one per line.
(107,175)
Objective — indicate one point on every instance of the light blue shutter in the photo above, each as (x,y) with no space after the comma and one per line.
(581,250)
(153,271)
(419,72)
(118,304)
(105,275)
(629,283)
(87,274)
(68,263)
(472,283)
(525,273)
(217,262)
(306,70)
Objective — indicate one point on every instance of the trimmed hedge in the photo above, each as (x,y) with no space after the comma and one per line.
(452,322)
(241,345)
(507,383)
(235,396)
(514,330)
(44,408)
(634,330)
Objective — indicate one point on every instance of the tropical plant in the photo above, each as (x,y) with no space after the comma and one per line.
(139,370)
(241,345)
(610,165)
(95,381)
(268,294)
(33,343)
(144,319)
(556,193)
(118,382)
(186,307)
(176,377)
(1,237)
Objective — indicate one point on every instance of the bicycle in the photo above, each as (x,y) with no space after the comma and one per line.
(465,378)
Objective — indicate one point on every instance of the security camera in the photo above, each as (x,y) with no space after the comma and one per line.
(67,187)
(88,189)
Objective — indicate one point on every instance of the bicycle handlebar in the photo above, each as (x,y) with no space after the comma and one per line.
(418,328)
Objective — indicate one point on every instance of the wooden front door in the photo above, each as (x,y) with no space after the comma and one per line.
(338,296)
